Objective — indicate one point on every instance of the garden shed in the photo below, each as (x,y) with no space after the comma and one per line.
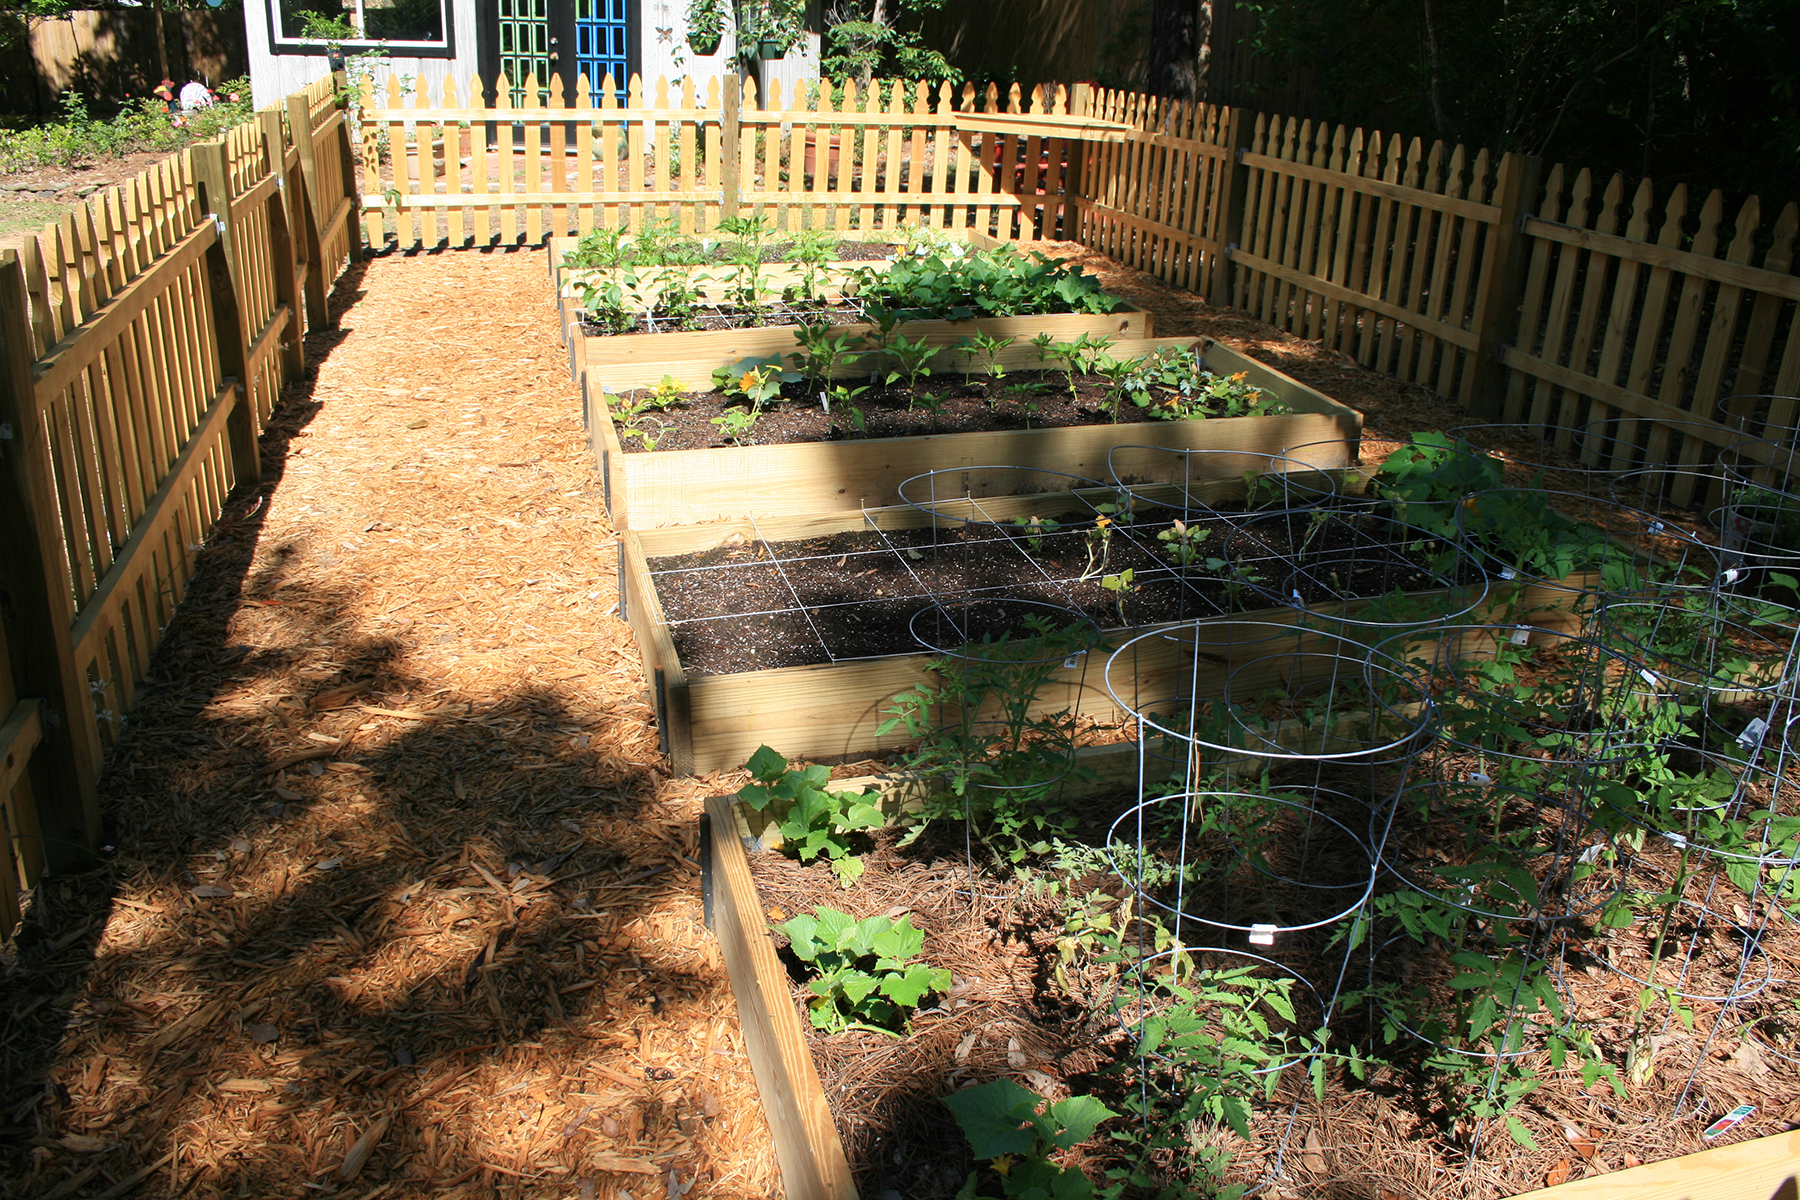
(895,640)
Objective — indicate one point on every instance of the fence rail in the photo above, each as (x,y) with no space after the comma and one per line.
(144,340)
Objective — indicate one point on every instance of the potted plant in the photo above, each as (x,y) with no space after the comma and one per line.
(706,26)
(778,26)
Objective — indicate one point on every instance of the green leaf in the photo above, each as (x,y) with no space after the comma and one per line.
(997,1118)
(766,765)
(1520,1134)
(1079,1116)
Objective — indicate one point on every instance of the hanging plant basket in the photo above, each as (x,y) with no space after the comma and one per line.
(770,50)
(703,45)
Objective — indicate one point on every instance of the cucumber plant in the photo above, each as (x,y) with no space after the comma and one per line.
(812,820)
(866,973)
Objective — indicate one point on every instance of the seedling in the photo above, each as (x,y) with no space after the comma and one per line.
(867,976)
(914,357)
(813,821)
(1120,586)
(1181,542)
(1037,527)
(823,350)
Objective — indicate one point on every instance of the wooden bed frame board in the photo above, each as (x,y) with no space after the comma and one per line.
(683,487)
(812,1160)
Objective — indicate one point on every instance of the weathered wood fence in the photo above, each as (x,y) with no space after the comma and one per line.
(144,341)
(1543,298)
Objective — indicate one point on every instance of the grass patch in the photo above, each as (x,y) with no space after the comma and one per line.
(26,216)
(144,125)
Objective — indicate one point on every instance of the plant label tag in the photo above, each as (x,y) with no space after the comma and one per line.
(1071,662)
(1262,935)
(1508,573)
(1298,599)
(1648,676)
(1656,527)
(1592,853)
(1727,1121)
(1752,736)
(1676,840)
(825,400)
(1483,780)
(1521,635)
(1731,577)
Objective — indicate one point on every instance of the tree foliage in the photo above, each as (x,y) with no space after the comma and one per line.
(867,39)
(1699,90)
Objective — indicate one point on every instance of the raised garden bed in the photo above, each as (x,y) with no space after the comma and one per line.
(646,490)
(1020,1009)
(1036,973)
(806,652)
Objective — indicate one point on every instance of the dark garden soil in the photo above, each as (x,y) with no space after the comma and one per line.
(1031,1001)
(865,594)
(944,404)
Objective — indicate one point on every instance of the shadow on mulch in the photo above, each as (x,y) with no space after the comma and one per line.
(290,891)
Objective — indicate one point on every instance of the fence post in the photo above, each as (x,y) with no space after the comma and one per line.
(212,173)
(728,148)
(281,242)
(306,209)
(1496,316)
(1236,186)
(37,608)
(340,95)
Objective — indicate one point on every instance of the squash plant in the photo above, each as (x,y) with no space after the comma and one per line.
(813,821)
(867,976)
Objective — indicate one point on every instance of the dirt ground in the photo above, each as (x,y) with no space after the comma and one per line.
(399,899)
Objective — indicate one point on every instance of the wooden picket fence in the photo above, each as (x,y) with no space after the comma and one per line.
(455,169)
(1669,334)
(144,340)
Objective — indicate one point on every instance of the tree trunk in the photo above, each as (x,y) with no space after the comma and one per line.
(1174,49)
(162,46)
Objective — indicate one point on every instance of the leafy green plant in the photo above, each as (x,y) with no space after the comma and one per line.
(823,350)
(915,356)
(746,257)
(1423,481)
(812,820)
(1036,527)
(1182,542)
(867,976)
(755,381)
(1016,1131)
(1120,585)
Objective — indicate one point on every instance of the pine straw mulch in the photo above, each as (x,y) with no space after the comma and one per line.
(399,903)
(1027,1003)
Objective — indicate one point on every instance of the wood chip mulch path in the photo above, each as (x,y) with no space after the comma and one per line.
(400,902)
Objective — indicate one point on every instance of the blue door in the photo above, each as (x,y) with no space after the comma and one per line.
(603,43)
